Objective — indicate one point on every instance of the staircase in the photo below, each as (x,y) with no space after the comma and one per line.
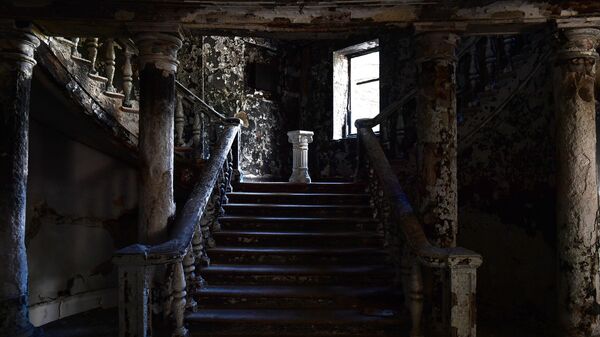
(297,260)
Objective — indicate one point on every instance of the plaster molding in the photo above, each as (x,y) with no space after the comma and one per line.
(18,45)
(159,49)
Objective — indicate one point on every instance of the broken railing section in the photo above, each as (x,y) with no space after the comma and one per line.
(157,282)
(407,243)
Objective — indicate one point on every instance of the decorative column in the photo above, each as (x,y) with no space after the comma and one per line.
(158,65)
(577,192)
(300,140)
(436,127)
(17,47)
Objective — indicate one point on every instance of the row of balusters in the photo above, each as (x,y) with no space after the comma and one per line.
(482,60)
(184,277)
(194,135)
(90,47)
(406,265)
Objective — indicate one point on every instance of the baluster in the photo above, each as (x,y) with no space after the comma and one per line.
(179,301)
(110,45)
(210,214)
(127,78)
(416,299)
(179,122)
(92,49)
(189,268)
(508,46)
(224,183)
(201,257)
(197,142)
(490,63)
(230,172)
(473,76)
(74,51)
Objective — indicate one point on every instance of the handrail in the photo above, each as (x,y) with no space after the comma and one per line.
(401,207)
(194,97)
(461,263)
(193,209)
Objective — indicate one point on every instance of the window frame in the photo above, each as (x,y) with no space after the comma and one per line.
(342,77)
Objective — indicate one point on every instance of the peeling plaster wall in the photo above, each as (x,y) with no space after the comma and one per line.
(507,206)
(217,69)
(309,79)
(80,209)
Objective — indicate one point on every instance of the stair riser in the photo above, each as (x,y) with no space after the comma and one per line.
(295,241)
(281,279)
(217,329)
(233,210)
(300,259)
(251,302)
(299,199)
(298,226)
(301,188)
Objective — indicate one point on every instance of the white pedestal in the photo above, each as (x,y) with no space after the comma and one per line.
(300,140)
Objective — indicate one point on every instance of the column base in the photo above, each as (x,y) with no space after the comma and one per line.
(14,317)
(300,176)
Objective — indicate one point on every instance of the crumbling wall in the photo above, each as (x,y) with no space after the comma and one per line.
(80,209)
(218,69)
(507,206)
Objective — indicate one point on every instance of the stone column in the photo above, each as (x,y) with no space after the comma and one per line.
(300,140)
(158,65)
(17,47)
(436,127)
(577,193)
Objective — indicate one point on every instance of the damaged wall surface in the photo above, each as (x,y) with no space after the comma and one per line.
(224,71)
(80,209)
(505,172)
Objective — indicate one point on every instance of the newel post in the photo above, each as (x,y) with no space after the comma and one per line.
(17,47)
(300,140)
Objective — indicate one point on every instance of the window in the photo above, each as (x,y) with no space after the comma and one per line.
(355,87)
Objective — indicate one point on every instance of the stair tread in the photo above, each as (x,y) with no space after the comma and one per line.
(286,316)
(293,205)
(299,194)
(296,250)
(294,269)
(292,218)
(298,233)
(292,291)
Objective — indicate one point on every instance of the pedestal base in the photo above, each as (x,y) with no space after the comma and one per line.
(300,176)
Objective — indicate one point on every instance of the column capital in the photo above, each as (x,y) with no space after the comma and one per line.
(18,45)
(300,137)
(159,49)
(578,42)
(436,45)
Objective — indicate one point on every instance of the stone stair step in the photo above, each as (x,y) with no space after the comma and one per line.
(298,223)
(292,322)
(301,255)
(297,210)
(298,198)
(297,239)
(331,297)
(320,187)
(229,274)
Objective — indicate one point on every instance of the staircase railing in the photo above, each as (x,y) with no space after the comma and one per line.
(163,278)
(107,69)
(411,250)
